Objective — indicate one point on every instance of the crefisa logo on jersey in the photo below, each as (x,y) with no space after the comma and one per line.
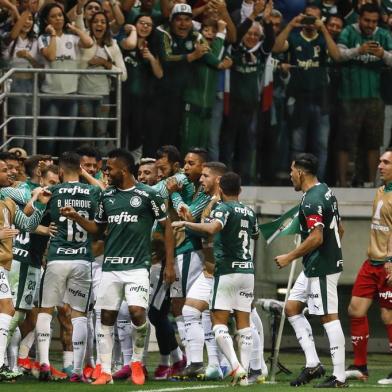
(136,201)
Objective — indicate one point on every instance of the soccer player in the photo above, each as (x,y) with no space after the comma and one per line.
(374,279)
(160,291)
(233,225)
(147,172)
(10,214)
(48,176)
(316,286)
(128,211)
(67,277)
(189,257)
(197,298)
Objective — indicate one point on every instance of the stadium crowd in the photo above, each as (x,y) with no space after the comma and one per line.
(248,80)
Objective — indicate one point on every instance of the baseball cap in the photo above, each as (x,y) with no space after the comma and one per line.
(181,9)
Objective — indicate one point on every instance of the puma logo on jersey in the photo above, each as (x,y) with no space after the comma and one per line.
(111,201)
(124,217)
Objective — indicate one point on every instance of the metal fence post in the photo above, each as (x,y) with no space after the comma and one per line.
(35,112)
(118,108)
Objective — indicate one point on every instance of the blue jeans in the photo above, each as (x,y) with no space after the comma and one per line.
(87,128)
(310,133)
(20,106)
(54,127)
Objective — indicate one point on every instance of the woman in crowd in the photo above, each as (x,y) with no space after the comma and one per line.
(21,52)
(59,43)
(139,92)
(83,12)
(104,54)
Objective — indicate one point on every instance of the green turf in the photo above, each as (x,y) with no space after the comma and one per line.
(379,367)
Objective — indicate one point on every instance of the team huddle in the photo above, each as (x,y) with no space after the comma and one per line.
(110,255)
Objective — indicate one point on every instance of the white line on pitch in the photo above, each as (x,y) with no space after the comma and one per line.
(181,388)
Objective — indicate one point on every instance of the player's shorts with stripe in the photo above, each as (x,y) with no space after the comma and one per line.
(66,282)
(188,267)
(319,293)
(24,281)
(133,285)
(159,290)
(233,292)
(5,288)
(202,288)
(371,282)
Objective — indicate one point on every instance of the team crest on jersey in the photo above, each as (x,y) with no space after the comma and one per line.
(3,288)
(68,45)
(136,201)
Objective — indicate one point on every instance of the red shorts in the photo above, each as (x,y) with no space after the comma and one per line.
(371,283)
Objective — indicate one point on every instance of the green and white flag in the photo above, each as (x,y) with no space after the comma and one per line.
(287,224)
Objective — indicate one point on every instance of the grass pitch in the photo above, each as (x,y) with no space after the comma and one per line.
(379,367)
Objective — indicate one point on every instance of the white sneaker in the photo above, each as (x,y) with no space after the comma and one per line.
(214,372)
(386,381)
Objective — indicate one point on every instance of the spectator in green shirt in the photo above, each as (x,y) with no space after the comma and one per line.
(366,49)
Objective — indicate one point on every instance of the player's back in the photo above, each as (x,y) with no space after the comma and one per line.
(232,244)
(72,242)
(320,207)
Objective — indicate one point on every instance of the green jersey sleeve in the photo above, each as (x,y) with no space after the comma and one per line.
(29,223)
(158,206)
(220,214)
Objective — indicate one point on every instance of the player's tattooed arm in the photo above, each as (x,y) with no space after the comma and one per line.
(88,225)
(312,242)
(169,274)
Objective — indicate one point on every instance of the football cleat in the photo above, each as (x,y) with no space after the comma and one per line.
(96,372)
(162,372)
(25,364)
(123,373)
(78,378)
(8,375)
(331,382)
(213,373)
(308,374)
(103,379)
(44,373)
(57,375)
(386,381)
(137,373)
(239,377)
(354,372)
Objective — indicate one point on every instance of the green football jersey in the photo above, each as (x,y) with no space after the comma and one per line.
(309,56)
(71,241)
(361,75)
(129,215)
(232,244)
(320,207)
(21,246)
